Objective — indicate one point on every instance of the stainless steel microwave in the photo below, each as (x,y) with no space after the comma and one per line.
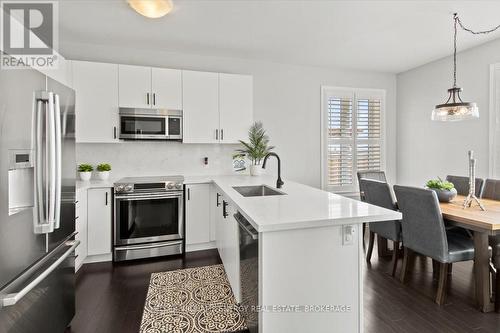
(150,124)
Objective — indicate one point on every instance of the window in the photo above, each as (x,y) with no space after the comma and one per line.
(352,135)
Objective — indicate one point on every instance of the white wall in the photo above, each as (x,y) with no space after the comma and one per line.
(428,149)
(286,99)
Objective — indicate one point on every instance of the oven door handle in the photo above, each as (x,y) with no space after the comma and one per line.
(144,247)
(148,196)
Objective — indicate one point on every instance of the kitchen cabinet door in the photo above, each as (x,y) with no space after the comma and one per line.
(217,222)
(99,217)
(166,87)
(134,83)
(96,106)
(197,213)
(231,250)
(200,100)
(235,107)
(214,212)
(81,227)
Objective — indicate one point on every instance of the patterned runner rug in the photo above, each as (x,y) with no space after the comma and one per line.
(191,300)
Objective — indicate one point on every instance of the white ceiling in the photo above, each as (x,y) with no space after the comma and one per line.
(388,36)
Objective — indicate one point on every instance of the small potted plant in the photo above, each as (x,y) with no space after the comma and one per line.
(445,190)
(85,171)
(256,149)
(103,170)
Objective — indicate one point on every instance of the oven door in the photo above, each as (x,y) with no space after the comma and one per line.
(143,127)
(145,218)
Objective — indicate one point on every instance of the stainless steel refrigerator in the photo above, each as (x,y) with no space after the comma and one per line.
(37,203)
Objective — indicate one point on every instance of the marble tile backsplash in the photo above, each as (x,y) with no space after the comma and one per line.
(145,158)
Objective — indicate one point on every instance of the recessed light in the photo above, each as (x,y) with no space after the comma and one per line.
(152,8)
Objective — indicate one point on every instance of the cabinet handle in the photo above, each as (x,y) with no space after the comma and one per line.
(222,134)
(114,132)
(147,98)
(189,194)
(154,98)
(224,208)
(216,134)
(218,196)
(106,198)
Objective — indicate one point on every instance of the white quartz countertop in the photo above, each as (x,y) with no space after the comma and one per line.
(301,207)
(94,183)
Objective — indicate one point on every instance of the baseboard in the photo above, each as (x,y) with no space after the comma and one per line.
(98,258)
(200,246)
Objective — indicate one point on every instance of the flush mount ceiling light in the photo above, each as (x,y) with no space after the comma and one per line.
(151,8)
(454,108)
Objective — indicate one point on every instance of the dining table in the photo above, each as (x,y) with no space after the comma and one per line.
(482,223)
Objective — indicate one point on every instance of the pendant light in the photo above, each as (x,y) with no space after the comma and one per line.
(152,8)
(454,108)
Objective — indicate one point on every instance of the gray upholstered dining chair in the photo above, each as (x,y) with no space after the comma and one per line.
(424,232)
(462,184)
(379,193)
(492,191)
(369,174)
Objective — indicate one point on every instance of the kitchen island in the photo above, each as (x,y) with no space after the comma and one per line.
(306,268)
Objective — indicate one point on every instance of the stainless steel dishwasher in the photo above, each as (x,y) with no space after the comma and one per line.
(249,272)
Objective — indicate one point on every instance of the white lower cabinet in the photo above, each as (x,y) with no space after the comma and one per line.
(99,221)
(227,240)
(197,214)
(81,228)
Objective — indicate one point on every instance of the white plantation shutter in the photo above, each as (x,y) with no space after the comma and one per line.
(352,138)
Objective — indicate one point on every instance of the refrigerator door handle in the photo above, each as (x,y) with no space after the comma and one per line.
(51,160)
(12,299)
(58,161)
(39,212)
(45,166)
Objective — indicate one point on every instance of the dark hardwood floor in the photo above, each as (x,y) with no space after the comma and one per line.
(110,298)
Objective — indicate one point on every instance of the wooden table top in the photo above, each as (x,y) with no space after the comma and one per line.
(473,218)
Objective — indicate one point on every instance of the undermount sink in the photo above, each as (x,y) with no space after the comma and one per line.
(257,191)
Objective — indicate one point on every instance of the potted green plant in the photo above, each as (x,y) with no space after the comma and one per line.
(103,170)
(256,149)
(445,190)
(85,171)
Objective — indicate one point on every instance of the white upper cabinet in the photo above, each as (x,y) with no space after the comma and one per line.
(217,108)
(166,88)
(235,106)
(146,87)
(96,86)
(135,86)
(200,91)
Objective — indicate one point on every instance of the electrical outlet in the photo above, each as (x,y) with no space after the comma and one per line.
(348,232)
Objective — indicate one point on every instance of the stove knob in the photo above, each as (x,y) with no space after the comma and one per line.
(119,188)
(128,188)
(170,186)
(178,186)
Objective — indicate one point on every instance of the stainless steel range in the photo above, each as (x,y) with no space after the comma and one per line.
(148,219)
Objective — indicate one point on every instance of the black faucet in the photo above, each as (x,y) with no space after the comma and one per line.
(279,182)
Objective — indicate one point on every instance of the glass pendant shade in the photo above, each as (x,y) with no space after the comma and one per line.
(455,109)
(152,8)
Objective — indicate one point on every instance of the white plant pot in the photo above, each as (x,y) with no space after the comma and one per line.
(103,175)
(85,176)
(256,170)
